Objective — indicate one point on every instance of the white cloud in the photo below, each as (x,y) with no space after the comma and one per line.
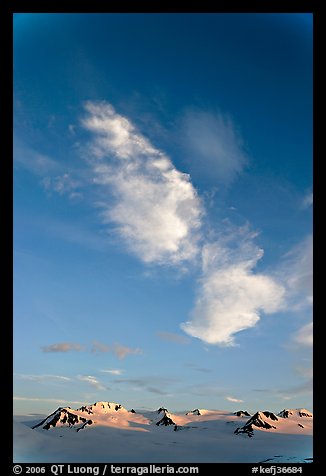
(231,296)
(304,336)
(235,400)
(113,371)
(91,380)
(153,206)
(214,146)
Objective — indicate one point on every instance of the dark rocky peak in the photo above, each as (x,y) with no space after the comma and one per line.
(241,413)
(285,413)
(194,412)
(165,421)
(162,409)
(49,416)
(85,410)
(270,415)
(258,420)
(64,417)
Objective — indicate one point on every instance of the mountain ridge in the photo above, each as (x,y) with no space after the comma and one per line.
(104,431)
(116,415)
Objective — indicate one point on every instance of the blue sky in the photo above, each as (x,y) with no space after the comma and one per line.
(163,210)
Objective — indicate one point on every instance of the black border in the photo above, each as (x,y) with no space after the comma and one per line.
(7,9)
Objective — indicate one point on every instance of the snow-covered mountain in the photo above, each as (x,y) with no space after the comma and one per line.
(106,431)
(86,415)
(269,421)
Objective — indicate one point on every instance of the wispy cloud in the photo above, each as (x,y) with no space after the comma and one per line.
(63,185)
(113,371)
(121,351)
(297,274)
(290,392)
(308,200)
(204,390)
(197,369)
(73,232)
(231,296)
(72,129)
(306,372)
(160,385)
(172,337)
(156,390)
(233,399)
(153,206)
(99,347)
(33,161)
(54,400)
(44,378)
(212,141)
(62,347)
(92,381)
(296,390)
(304,336)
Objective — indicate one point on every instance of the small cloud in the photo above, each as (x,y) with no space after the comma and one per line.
(198,369)
(306,372)
(205,390)
(305,387)
(91,380)
(172,337)
(113,371)
(308,200)
(304,336)
(122,351)
(44,378)
(99,347)
(213,141)
(75,195)
(296,272)
(156,390)
(62,347)
(159,385)
(51,400)
(62,184)
(32,160)
(72,129)
(134,381)
(233,399)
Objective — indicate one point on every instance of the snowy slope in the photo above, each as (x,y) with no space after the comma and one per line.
(119,435)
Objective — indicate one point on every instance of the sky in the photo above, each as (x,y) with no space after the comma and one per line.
(163,211)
